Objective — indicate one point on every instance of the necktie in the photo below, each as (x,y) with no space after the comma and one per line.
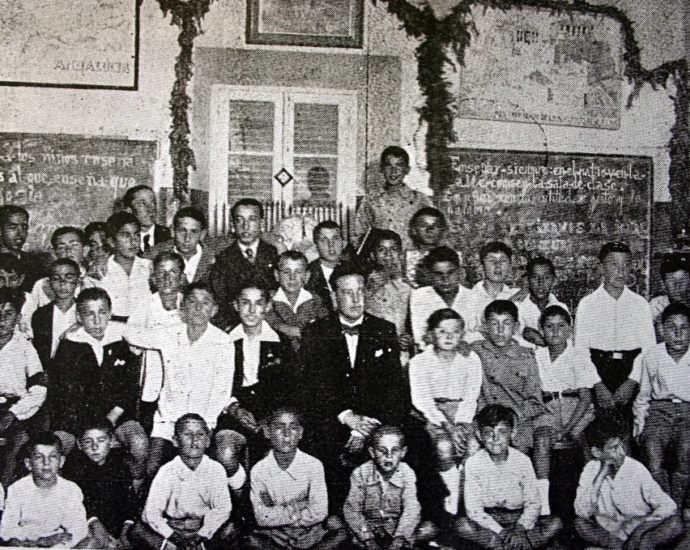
(249,253)
(352,331)
(147,243)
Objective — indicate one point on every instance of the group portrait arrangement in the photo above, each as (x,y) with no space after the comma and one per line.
(160,391)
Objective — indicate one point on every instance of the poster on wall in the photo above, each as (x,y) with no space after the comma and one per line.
(90,44)
(532,65)
(332,23)
(563,206)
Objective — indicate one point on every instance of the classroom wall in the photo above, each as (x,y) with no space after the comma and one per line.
(661,28)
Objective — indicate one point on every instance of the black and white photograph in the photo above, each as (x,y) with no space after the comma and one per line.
(345,274)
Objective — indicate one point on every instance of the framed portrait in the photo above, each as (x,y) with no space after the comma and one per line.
(330,23)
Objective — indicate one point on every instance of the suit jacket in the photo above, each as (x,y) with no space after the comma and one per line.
(375,387)
(83,390)
(232,270)
(42,326)
(161,235)
(36,266)
(203,270)
(319,285)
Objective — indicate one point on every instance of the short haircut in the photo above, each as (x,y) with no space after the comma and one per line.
(66,230)
(605,426)
(188,417)
(190,212)
(555,311)
(294,255)
(275,413)
(96,424)
(440,315)
(118,220)
(428,211)
(168,255)
(129,195)
(395,151)
(540,260)
(501,307)
(9,210)
(385,429)
(441,254)
(494,247)
(247,202)
(93,294)
(187,292)
(11,264)
(381,235)
(675,308)
(611,248)
(12,296)
(492,415)
(344,269)
(65,262)
(673,263)
(43,438)
(253,285)
(326,224)
(95,227)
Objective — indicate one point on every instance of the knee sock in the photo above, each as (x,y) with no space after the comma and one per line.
(543,485)
(451,479)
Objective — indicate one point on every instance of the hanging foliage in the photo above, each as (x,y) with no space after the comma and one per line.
(187,16)
(453,34)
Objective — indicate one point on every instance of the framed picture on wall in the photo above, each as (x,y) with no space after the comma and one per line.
(330,23)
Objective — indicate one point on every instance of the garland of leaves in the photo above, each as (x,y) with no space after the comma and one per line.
(454,33)
(187,15)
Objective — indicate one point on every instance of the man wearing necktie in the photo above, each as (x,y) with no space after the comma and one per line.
(352,381)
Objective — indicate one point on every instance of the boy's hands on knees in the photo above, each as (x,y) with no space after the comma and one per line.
(406,341)
(516,538)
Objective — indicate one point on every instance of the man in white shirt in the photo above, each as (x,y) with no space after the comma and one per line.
(615,324)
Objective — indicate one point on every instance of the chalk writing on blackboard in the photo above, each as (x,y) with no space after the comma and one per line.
(69,180)
(562,206)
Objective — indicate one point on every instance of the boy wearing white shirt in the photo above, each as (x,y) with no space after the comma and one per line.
(443,267)
(124,275)
(615,325)
(189,504)
(618,503)
(662,407)
(198,371)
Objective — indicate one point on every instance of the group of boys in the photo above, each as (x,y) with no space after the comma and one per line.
(156,395)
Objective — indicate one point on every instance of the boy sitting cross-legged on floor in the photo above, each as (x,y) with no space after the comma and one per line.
(189,502)
(288,493)
(502,498)
(618,503)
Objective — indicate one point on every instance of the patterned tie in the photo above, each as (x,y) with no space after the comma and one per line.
(249,253)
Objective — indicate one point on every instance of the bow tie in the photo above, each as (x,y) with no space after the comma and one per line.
(352,331)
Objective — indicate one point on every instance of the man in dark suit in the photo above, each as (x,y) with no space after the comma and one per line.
(248,259)
(352,380)
(189,232)
(140,200)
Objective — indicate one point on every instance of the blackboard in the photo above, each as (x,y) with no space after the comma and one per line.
(69,180)
(559,205)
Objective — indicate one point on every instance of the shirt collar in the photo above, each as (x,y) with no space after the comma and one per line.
(254,247)
(276,466)
(375,477)
(357,323)
(267,333)
(196,254)
(302,297)
(113,333)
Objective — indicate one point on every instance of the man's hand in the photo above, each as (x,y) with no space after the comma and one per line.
(406,341)
(464,348)
(533,336)
(291,331)
(98,268)
(520,295)
(58,539)
(243,417)
(360,423)
(397,543)
(7,420)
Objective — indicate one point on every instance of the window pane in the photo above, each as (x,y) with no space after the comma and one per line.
(249,176)
(251,126)
(316,129)
(315,180)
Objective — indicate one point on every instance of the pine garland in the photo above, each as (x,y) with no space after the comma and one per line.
(454,33)
(187,16)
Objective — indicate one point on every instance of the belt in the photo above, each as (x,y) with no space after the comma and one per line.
(551,395)
(670,400)
(617,355)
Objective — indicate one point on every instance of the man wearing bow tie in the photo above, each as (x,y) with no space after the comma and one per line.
(353,380)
